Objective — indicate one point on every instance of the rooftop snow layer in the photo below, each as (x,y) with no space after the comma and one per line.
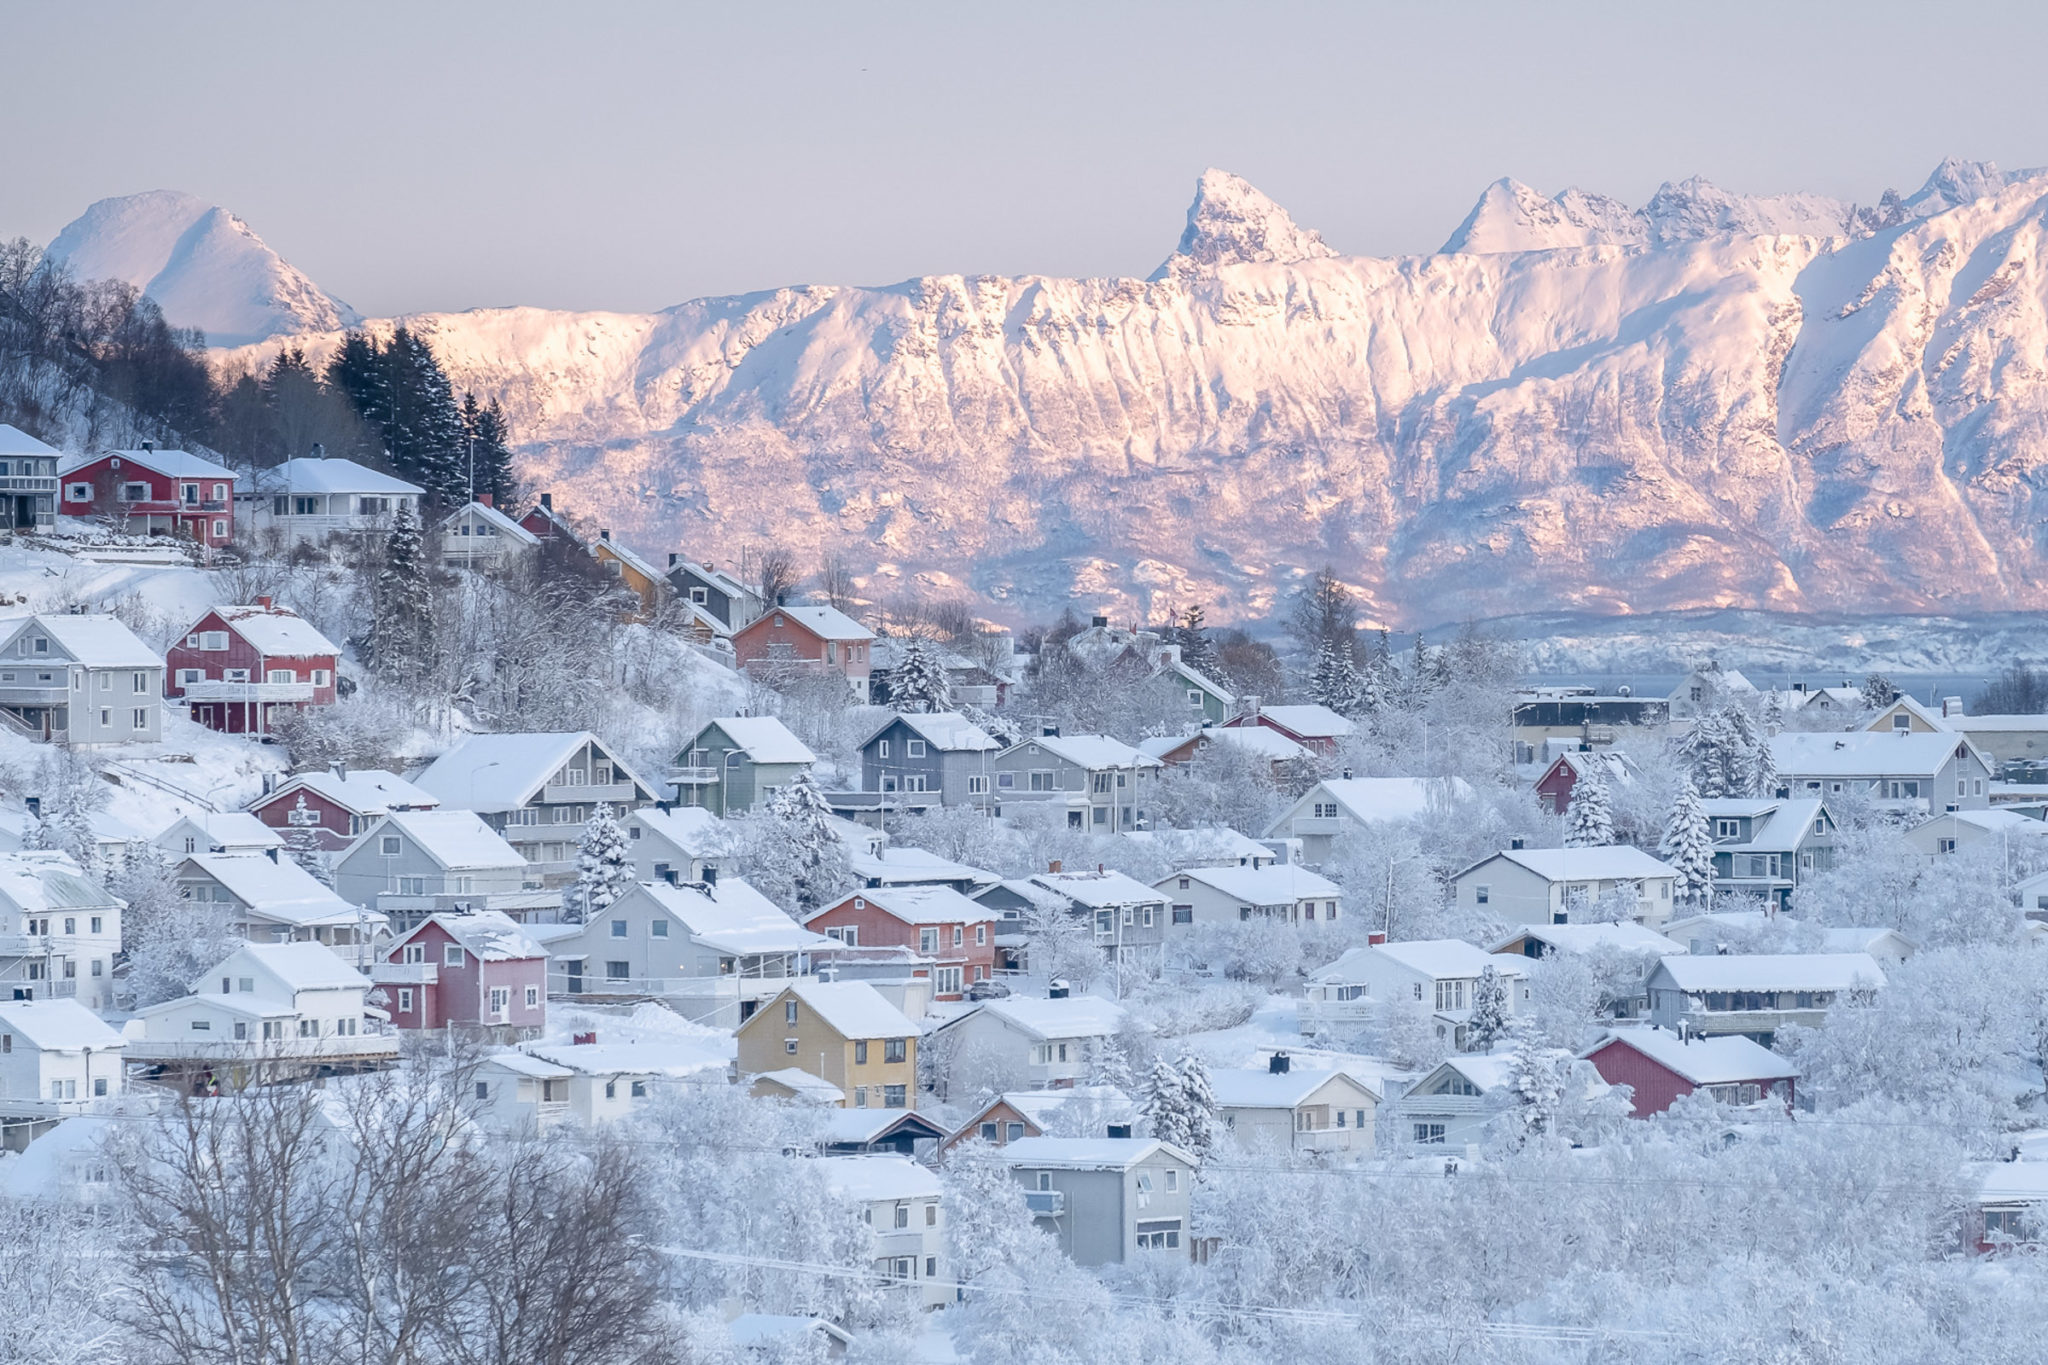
(1774,972)
(1703,1061)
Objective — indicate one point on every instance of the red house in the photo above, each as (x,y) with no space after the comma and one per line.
(1309,724)
(339,805)
(236,666)
(1660,1066)
(477,971)
(547,524)
(150,492)
(806,638)
(935,922)
(1554,788)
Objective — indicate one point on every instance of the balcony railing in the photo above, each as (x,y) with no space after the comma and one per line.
(1318,825)
(694,777)
(614,792)
(1046,1203)
(358,1047)
(210,690)
(406,973)
(29,694)
(1356,1011)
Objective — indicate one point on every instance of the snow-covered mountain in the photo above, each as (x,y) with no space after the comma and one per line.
(1788,403)
(201,264)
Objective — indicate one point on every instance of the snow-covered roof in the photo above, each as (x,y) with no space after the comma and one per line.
(455,839)
(1200,679)
(921,905)
(1608,862)
(732,917)
(1999,1182)
(1861,753)
(1372,799)
(275,889)
(58,1025)
(805,1086)
(506,527)
(765,739)
(948,731)
(1627,936)
(491,934)
(1260,1088)
(1311,720)
(1077,1016)
(1183,846)
(97,641)
(751,1330)
(2015,724)
(853,1009)
(1992,822)
(1607,765)
(1774,972)
(717,578)
(909,866)
(51,1163)
(38,881)
(15,441)
(866,1125)
(176,464)
(873,1179)
(522,1064)
(1273,884)
(1087,1154)
(1040,1105)
(1088,751)
(278,632)
(1777,826)
(827,623)
(303,966)
(1864,939)
(307,475)
(1703,1061)
(362,791)
(650,1057)
(1444,957)
(234,829)
(492,773)
(1101,890)
(693,829)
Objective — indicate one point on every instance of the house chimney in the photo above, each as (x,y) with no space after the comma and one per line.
(1056,990)
(605,535)
(1119,1130)
(264,602)
(1098,869)
(273,854)
(341,769)
(674,558)
(1049,731)
(710,875)
(319,451)
(1278,1064)
(148,446)
(1375,938)
(1515,845)
(1347,774)
(547,500)
(1052,867)
(485,499)
(585,1039)
(1097,622)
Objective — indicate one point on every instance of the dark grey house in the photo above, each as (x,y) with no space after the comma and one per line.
(1103,784)
(716,594)
(943,756)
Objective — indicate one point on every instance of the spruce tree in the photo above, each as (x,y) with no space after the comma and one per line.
(1774,713)
(426,437)
(1335,682)
(1197,651)
(1762,778)
(487,456)
(1165,1104)
(604,865)
(1198,1104)
(1589,821)
(918,682)
(402,642)
(357,373)
(818,864)
(1878,692)
(1688,845)
(1489,1019)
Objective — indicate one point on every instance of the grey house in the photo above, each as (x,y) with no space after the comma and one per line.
(80,679)
(719,595)
(943,757)
(1767,848)
(1127,917)
(1107,1200)
(737,762)
(1103,784)
(414,863)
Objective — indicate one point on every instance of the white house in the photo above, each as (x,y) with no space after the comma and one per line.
(1452,1105)
(1566,885)
(608,1081)
(1961,830)
(56,1058)
(1708,688)
(479,536)
(1227,895)
(900,1202)
(309,499)
(1338,805)
(520,1095)
(1439,976)
(415,863)
(1041,1043)
(234,831)
(678,844)
(266,1001)
(1910,771)
(80,679)
(59,931)
(1281,1109)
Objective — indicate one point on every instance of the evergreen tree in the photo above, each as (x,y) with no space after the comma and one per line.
(426,438)
(1335,682)
(1762,778)
(1421,675)
(1720,752)
(357,373)
(1197,651)
(604,865)
(818,864)
(1489,1019)
(402,642)
(918,682)
(1538,1081)
(303,843)
(1165,1105)
(1199,1106)
(1774,713)
(1688,845)
(488,454)
(1589,821)
(1878,692)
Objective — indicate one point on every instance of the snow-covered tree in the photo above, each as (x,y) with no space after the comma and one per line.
(1489,1019)
(1589,821)
(604,864)
(401,643)
(1763,769)
(302,842)
(1772,719)
(1539,1077)
(809,850)
(1688,845)
(1335,682)
(1720,752)
(1878,692)
(1179,1105)
(918,682)
(1197,651)
(168,941)
(1199,1106)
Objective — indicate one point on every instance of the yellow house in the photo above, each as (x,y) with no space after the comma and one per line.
(639,577)
(843,1033)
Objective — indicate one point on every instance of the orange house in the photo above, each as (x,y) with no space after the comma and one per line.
(821,638)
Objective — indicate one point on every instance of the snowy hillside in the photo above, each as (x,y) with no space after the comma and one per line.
(201,264)
(1789,403)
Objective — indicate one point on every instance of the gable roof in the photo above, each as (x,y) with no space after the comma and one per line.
(38,880)
(1486,1072)
(1442,957)
(15,441)
(1077,1016)
(604,544)
(300,966)
(731,917)
(764,738)
(305,474)
(276,631)
(945,730)
(1185,846)
(58,1025)
(1261,1088)
(1881,723)
(827,623)
(1262,740)
(236,829)
(491,934)
(361,791)
(871,1179)
(1773,972)
(852,1009)
(506,526)
(1310,720)
(492,773)
(1777,825)
(919,905)
(1864,753)
(454,839)
(1098,890)
(276,889)
(1273,884)
(97,641)
(693,829)
(175,464)
(803,1085)
(912,866)
(1607,862)
(1703,1061)
(714,578)
(1087,1154)
(1627,936)
(1369,800)
(1088,751)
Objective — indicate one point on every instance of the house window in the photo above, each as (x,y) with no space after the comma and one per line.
(860,1052)
(959,935)
(213,641)
(916,748)
(658,929)
(404,1000)
(895,1097)
(894,1049)
(1480,894)
(927,940)
(1183,914)
(789,1011)
(501,999)
(618,928)
(451,954)
(618,971)
(637,1089)
(322,677)
(134,492)
(1429,1132)
(789,1046)
(140,682)
(1159,1234)
(532,997)
(390,846)
(78,492)
(141,718)
(977,786)
(881,748)
(1007,781)
(980,934)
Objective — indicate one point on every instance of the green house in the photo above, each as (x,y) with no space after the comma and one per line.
(737,762)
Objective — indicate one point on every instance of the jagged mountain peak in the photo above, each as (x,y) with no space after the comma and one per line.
(1511,216)
(205,267)
(1232,223)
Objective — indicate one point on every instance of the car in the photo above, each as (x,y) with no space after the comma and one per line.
(987,990)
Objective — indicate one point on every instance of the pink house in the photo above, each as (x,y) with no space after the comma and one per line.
(473,971)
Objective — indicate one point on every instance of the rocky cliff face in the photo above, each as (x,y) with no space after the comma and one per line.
(1788,403)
